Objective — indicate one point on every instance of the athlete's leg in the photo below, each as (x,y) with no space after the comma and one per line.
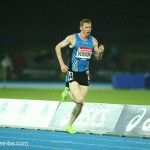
(83,89)
(79,93)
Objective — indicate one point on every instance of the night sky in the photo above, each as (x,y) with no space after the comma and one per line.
(29,22)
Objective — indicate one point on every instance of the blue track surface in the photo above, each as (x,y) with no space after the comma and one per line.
(49,140)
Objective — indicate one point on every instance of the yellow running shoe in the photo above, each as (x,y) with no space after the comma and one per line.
(70,129)
(64,94)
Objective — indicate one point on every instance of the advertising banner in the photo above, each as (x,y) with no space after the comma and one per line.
(95,117)
(26,113)
(134,120)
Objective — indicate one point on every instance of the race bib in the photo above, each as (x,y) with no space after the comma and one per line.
(84,52)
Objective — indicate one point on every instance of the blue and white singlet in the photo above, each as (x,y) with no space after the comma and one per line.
(81,54)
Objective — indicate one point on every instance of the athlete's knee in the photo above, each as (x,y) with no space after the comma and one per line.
(80,100)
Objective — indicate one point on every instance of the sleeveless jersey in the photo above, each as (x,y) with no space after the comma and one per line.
(81,54)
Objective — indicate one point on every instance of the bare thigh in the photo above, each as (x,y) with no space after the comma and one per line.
(79,92)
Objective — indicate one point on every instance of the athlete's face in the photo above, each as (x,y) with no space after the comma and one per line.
(86,29)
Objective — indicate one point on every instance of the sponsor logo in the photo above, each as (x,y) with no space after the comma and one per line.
(45,110)
(93,117)
(24,109)
(137,119)
(4,108)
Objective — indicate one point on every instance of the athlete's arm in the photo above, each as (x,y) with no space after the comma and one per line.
(67,41)
(98,50)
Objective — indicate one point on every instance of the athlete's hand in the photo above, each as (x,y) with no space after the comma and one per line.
(99,52)
(64,68)
(101,48)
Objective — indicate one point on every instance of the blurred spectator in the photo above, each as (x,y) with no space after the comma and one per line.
(18,63)
(18,60)
(7,68)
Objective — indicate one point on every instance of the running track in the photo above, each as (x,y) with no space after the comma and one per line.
(50,140)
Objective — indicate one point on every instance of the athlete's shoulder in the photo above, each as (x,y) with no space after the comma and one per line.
(71,37)
(95,42)
(93,38)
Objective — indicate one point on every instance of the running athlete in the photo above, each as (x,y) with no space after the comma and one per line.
(82,46)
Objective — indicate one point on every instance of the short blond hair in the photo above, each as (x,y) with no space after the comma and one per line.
(85,21)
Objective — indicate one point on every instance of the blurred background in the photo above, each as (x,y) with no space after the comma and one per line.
(30,30)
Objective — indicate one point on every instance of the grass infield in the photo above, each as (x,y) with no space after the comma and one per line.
(112,96)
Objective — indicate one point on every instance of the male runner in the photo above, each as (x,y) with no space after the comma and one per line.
(82,46)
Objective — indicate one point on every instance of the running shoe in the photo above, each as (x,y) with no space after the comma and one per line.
(64,94)
(70,129)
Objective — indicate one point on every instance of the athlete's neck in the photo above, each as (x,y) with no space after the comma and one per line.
(83,36)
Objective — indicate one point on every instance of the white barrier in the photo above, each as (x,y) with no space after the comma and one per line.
(113,119)
(27,113)
(94,118)
(134,120)
(128,120)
